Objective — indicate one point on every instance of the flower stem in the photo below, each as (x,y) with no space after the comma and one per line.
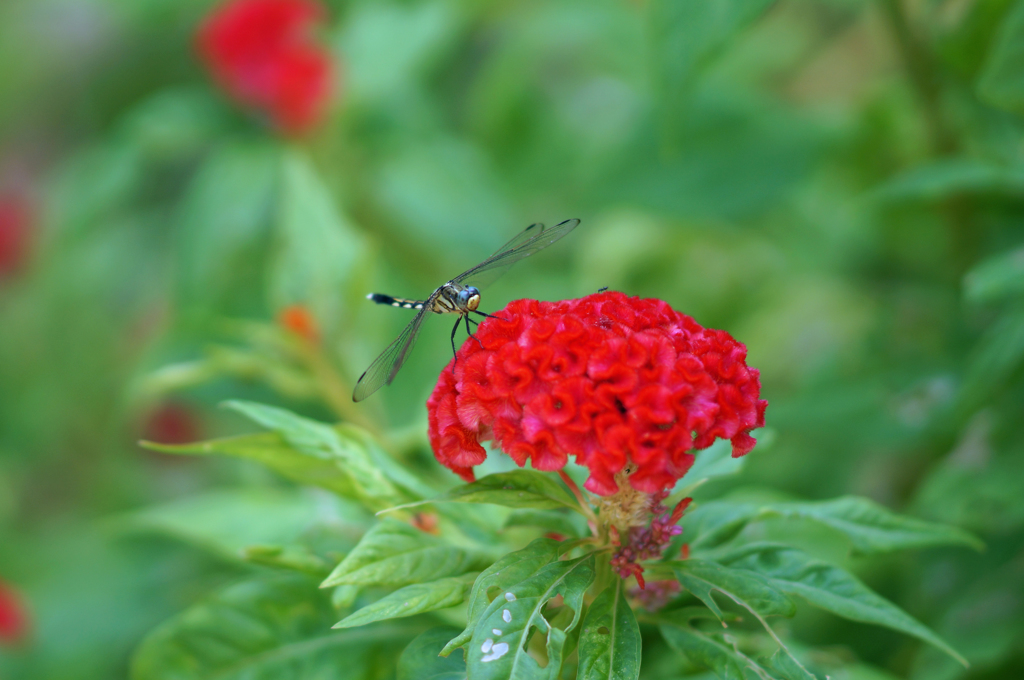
(584,505)
(332,387)
(603,571)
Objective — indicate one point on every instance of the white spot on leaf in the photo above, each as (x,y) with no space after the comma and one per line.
(499,650)
(496,631)
(486,646)
(507,615)
(509,597)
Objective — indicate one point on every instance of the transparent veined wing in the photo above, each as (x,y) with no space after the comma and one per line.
(520,238)
(383,369)
(535,237)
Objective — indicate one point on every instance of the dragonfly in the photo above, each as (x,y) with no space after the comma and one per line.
(454,297)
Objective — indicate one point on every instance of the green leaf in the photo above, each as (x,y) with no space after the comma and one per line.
(687,35)
(515,489)
(388,48)
(258,630)
(293,557)
(748,590)
(1002,78)
(446,185)
(997,277)
(227,522)
(939,179)
(248,364)
(319,253)
(703,650)
(713,523)
(312,439)
(550,520)
(343,597)
(175,123)
(985,618)
(985,496)
(420,660)
(306,451)
(830,588)
(512,568)
(396,554)
(479,524)
(609,638)
(785,665)
(870,527)
(225,220)
(719,651)
(997,356)
(498,646)
(685,38)
(276,453)
(723,160)
(714,461)
(410,600)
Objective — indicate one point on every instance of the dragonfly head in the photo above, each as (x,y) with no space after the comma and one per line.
(469,298)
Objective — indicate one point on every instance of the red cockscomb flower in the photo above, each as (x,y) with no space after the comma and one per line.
(263,54)
(13,616)
(608,379)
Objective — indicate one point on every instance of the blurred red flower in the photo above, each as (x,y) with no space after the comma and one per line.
(15,227)
(606,378)
(299,320)
(263,54)
(13,616)
(172,423)
(426,522)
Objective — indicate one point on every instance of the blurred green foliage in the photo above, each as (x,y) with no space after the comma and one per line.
(838,183)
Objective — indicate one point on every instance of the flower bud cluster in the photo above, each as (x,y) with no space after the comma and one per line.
(655,594)
(648,542)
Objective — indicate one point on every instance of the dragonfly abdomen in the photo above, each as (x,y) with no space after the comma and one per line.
(404,303)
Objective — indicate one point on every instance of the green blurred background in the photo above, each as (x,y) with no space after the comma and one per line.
(837,183)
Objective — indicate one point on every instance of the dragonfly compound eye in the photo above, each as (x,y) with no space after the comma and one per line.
(471,299)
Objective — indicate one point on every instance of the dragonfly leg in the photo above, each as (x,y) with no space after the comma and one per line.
(454,354)
(489,316)
(470,332)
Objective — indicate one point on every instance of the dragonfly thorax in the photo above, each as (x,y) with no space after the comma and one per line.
(452,298)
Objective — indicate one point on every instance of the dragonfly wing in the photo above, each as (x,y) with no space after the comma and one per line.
(481,278)
(384,368)
(520,238)
(535,237)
